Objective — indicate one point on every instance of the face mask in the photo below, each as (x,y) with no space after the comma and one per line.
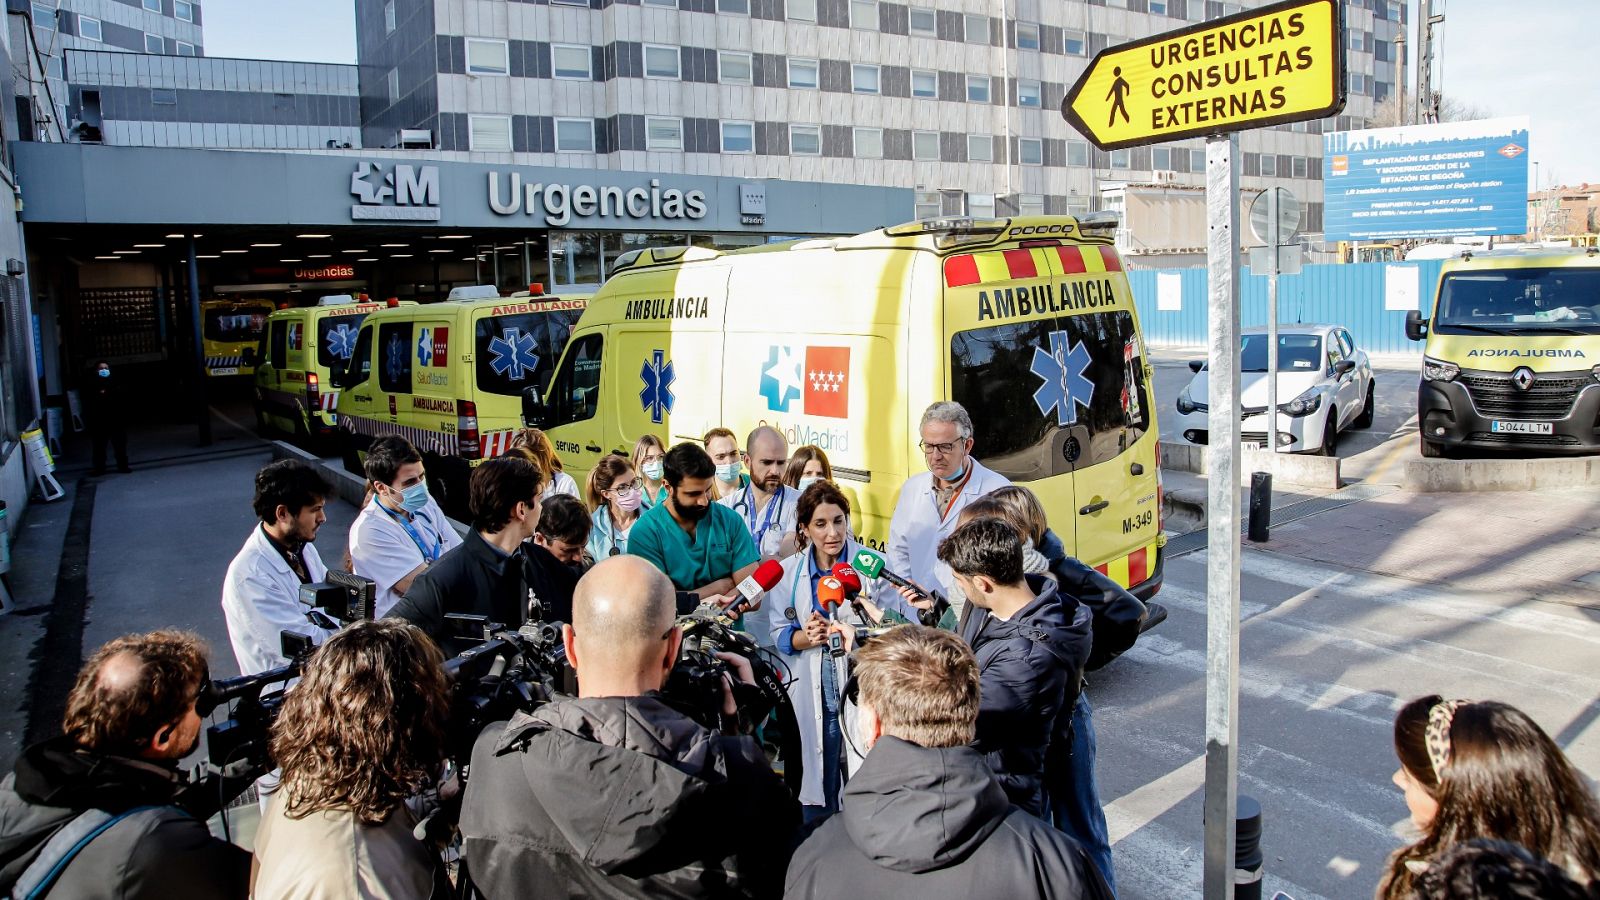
(628,501)
(956,475)
(807,482)
(729,472)
(652,470)
(414,498)
(105,373)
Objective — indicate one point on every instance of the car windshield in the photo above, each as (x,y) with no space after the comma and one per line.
(1559,299)
(1296,353)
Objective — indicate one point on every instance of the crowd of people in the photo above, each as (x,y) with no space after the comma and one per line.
(947,756)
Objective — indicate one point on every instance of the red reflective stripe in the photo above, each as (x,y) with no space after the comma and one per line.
(1138,566)
(1102,568)
(1113,262)
(960,271)
(1020,262)
(1071,260)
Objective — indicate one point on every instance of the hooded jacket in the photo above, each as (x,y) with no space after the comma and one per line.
(162,853)
(1030,668)
(623,797)
(934,824)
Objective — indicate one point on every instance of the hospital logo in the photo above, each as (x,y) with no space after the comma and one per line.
(819,377)
(402,193)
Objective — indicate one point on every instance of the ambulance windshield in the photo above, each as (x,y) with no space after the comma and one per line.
(1556,300)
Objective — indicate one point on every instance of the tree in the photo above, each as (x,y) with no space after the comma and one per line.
(1390,113)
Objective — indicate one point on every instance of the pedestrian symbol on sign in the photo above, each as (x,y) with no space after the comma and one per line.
(1119,97)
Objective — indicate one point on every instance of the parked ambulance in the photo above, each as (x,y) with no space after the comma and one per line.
(230,331)
(842,343)
(1512,360)
(449,378)
(300,350)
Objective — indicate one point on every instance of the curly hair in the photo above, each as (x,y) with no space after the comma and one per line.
(119,713)
(365,728)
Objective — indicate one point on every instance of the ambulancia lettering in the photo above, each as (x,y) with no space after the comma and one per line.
(1040,299)
(669,308)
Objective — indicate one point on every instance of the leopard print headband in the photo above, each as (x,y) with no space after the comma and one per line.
(1437,736)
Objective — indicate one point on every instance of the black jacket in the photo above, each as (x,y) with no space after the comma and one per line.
(623,797)
(1118,614)
(472,579)
(105,401)
(1029,669)
(935,825)
(162,853)
(549,581)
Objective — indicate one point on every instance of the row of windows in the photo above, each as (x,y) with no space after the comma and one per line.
(183,10)
(91,28)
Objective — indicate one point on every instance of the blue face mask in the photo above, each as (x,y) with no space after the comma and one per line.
(956,475)
(414,498)
(805,483)
(104,373)
(729,472)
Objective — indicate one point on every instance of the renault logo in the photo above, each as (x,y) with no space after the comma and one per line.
(1522,378)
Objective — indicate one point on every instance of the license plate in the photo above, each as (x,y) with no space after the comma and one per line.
(1499,427)
(230,370)
(1250,445)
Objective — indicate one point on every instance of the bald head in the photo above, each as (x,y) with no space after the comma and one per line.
(132,688)
(622,611)
(768,453)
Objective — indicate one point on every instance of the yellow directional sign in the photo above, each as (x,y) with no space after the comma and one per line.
(1275,64)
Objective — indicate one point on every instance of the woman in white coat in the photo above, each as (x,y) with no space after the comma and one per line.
(802,623)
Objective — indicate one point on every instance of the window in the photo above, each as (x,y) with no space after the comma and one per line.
(575,391)
(670,4)
(1299,168)
(491,133)
(1028,94)
(89,28)
(153,6)
(977,89)
(924,22)
(163,97)
(488,57)
(183,10)
(388,17)
(278,344)
(1161,158)
(980,148)
(801,10)
(185,48)
(574,135)
(738,137)
(929,205)
(660,62)
(571,61)
(734,7)
(980,206)
(396,347)
(976,28)
(1121,159)
(1075,43)
(583,3)
(1158,7)
(1197,160)
(1030,151)
(154,44)
(864,79)
(1077,153)
(359,367)
(734,67)
(864,14)
(44,16)
(803,74)
(393,82)
(334,335)
(1269,165)
(925,146)
(868,143)
(1030,204)
(924,83)
(1027,36)
(805,140)
(663,133)
(1355,41)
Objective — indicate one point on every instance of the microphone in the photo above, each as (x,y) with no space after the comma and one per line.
(831,594)
(763,579)
(871,565)
(848,578)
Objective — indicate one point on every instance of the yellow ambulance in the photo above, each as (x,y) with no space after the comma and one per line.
(1512,360)
(842,343)
(300,350)
(449,377)
(230,332)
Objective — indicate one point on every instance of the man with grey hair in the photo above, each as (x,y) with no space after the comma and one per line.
(616,793)
(930,502)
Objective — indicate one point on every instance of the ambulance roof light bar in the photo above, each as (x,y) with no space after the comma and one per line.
(949,231)
(1103,222)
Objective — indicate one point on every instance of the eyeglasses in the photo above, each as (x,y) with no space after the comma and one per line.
(627,487)
(941,449)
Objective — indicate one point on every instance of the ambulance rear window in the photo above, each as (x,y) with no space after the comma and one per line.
(236,324)
(336,338)
(1051,395)
(514,352)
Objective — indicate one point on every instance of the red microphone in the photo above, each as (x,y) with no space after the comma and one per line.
(763,579)
(848,579)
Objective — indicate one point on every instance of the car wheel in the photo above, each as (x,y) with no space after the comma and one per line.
(1369,410)
(1330,433)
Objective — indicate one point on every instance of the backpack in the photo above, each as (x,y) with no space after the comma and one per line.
(62,848)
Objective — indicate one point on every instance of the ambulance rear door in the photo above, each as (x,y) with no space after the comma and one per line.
(515,346)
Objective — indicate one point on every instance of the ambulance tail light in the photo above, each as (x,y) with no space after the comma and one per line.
(467,428)
(313,393)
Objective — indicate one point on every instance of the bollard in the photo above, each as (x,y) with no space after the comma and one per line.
(1247,857)
(1260,506)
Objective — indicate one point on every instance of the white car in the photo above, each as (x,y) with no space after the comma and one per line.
(1325,386)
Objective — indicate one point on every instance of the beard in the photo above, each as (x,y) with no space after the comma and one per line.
(691,513)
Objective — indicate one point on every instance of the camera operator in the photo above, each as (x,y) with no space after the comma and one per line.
(925,816)
(616,793)
(483,576)
(130,718)
(363,731)
(261,593)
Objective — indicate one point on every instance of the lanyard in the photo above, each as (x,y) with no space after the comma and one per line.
(953,497)
(429,554)
(766,518)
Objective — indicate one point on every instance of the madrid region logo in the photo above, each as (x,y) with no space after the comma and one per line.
(819,377)
(433,347)
(1065,388)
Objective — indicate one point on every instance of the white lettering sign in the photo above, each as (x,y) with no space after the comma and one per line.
(558,203)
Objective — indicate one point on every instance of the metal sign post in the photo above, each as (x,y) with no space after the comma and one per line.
(1222,525)
(1275,219)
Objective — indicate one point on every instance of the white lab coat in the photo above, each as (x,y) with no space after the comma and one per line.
(562,483)
(917,528)
(380,549)
(261,600)
(781,522)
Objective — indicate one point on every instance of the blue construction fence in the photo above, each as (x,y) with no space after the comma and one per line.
(1360,296)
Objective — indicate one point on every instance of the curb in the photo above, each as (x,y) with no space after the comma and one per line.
(349,488)
(1321,472)
(1466,475)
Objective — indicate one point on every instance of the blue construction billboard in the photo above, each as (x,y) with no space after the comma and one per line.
(1445,180)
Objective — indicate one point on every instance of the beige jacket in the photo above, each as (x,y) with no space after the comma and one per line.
(330,855)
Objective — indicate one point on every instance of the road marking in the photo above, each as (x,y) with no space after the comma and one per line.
(1402,444)
(1147,802)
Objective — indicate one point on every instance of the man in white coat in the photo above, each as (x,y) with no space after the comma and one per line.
(930,502)
(402,530)
(261,592)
